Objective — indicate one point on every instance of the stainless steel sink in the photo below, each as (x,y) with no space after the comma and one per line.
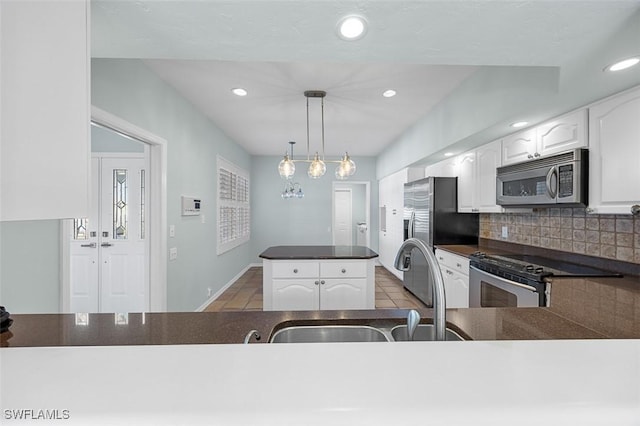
(424,332)
(329,333)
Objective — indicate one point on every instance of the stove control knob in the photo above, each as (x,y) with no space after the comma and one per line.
(529,268)
(539,270)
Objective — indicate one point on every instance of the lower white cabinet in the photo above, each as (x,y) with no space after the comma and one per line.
(455,273)
(318,284)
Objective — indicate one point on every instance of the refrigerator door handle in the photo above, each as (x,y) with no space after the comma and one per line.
(412,221)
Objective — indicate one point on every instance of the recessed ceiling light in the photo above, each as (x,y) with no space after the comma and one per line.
(448,154)
(239,91)
(624,64)
(519,124)
(352,27)
(389,93)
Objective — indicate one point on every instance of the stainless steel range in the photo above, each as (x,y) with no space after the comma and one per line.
(514,280)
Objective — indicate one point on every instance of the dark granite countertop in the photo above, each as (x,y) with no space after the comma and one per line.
(231,327)
(581,308)
(318,252)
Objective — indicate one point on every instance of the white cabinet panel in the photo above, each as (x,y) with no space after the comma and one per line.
(487,161)
(295,295)
(519,147)
(563,133)
(44,140)
(456,288)
(337,293)
(477,179)
(295,269)
(614,154)
(455,273)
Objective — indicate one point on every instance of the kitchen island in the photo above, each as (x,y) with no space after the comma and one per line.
(318,277)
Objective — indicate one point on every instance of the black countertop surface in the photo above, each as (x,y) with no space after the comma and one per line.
(318,252)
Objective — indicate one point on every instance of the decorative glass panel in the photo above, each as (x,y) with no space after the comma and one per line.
(120,197)
(80,227)
(142,204)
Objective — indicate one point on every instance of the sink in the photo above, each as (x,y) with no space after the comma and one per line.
(329,333)
(424,332)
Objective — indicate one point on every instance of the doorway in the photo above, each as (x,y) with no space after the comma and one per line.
(351,213)
(132,177)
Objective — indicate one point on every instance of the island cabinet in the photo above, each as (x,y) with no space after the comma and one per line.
(313,284)
(614,155)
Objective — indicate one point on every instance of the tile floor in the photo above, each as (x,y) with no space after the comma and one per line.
(246,293)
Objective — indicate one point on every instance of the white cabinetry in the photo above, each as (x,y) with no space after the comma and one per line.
(391,199)
(614,154)
(44,140)
(455,273)
(477,179)
(564,133)
(318,284)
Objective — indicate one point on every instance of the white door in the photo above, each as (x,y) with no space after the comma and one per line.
(343,226)
(109,266)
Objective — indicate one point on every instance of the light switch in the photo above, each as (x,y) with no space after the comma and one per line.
(173,253)
(172,231)
(505,232)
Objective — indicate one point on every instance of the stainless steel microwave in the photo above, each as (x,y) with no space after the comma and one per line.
(557,180)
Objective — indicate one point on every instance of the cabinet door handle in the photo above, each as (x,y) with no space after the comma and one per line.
(529,156)
(106,245)
(316,282)
(536,155)
(449,272)
(295,271)
(635,210)
(91,245)
(322,282)
(344,271)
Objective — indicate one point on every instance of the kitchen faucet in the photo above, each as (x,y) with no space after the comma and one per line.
(250,335)
(403,263)
(413,319)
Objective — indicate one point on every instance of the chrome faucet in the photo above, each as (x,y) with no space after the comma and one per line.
(403,263)
(413,319)
(250,335)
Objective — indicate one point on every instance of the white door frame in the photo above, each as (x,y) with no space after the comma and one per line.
(157,214)
(336,184)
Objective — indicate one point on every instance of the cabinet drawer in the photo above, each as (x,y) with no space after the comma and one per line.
(453,261)
(350,269)
(295,270)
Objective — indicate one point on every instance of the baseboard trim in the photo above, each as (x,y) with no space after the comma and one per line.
(227,285)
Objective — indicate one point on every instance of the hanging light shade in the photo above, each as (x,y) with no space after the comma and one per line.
(341,173)
(317,168)
(347,165)
(286,168)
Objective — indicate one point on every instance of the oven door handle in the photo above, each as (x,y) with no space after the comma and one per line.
(504,280)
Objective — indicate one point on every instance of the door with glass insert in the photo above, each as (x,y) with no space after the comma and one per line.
(108,251)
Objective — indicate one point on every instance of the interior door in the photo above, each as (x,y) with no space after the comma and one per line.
(109,262)
(343,228)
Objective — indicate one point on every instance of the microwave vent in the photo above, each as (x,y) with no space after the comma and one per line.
(565,157)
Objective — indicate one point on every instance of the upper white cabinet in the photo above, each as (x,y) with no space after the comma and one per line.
(614,154)
(45,111)
(477,179)
(566,132)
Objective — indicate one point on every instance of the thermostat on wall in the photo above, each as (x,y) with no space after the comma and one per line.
(190,206)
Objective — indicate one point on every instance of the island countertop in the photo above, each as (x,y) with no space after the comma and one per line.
(318,252)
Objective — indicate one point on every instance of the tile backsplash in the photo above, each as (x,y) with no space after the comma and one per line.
(566,229)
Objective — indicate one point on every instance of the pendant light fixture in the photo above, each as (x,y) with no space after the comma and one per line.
(317,167)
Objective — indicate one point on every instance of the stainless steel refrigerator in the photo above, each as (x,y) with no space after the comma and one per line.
(431,215)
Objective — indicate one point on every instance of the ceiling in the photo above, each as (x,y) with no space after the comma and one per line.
(278,49)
